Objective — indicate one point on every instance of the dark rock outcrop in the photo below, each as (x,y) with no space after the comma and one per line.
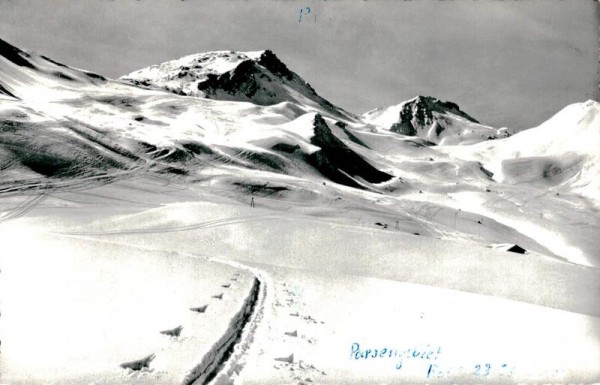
(337,161)
(15,55)
(418,114)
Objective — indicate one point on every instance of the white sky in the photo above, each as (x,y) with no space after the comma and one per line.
(506,63)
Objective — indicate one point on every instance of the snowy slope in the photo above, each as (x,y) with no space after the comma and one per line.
(562,152)
(434,120)
(89,308)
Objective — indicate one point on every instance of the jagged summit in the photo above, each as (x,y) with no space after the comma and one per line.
(422,108)
(270,61)
(259,77)
(440,122)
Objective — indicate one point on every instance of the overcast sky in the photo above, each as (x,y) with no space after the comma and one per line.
(507,63)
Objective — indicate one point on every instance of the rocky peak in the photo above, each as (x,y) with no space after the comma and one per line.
(271,62)
(418,113)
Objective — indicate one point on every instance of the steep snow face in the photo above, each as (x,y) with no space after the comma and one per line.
(257,77)
(22,73)
(36,140)
(434,120)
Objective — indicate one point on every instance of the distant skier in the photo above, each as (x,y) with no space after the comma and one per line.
(252,202)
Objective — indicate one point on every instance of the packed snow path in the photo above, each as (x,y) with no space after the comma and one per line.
(222,350)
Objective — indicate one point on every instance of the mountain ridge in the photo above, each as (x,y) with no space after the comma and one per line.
(123,125)
(259,77)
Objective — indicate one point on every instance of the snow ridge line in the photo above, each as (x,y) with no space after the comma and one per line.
(222,350)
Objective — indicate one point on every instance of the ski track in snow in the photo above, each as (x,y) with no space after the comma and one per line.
(223,364)
(196,226)
(231,368)
(23,208)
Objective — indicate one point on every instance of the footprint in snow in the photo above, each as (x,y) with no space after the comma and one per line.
(200,309)
(292,333)
(310,367)
(226,285)
(218,296)
(139,364)
(289,359)
(175,332)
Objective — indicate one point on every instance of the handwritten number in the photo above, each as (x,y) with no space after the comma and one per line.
(488,368)
(303,12)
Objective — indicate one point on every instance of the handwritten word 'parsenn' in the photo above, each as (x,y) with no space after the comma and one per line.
(426,353)
(429,356)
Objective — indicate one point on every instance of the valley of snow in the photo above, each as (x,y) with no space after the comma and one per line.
(377,250)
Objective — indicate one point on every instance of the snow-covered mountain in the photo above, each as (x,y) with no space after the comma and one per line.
(434,120)
(59,121)
(258,77)
(250,112)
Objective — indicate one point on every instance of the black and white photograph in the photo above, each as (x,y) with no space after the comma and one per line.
(269,192)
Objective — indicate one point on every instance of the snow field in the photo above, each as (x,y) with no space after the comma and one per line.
(349,329)
(74,310)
